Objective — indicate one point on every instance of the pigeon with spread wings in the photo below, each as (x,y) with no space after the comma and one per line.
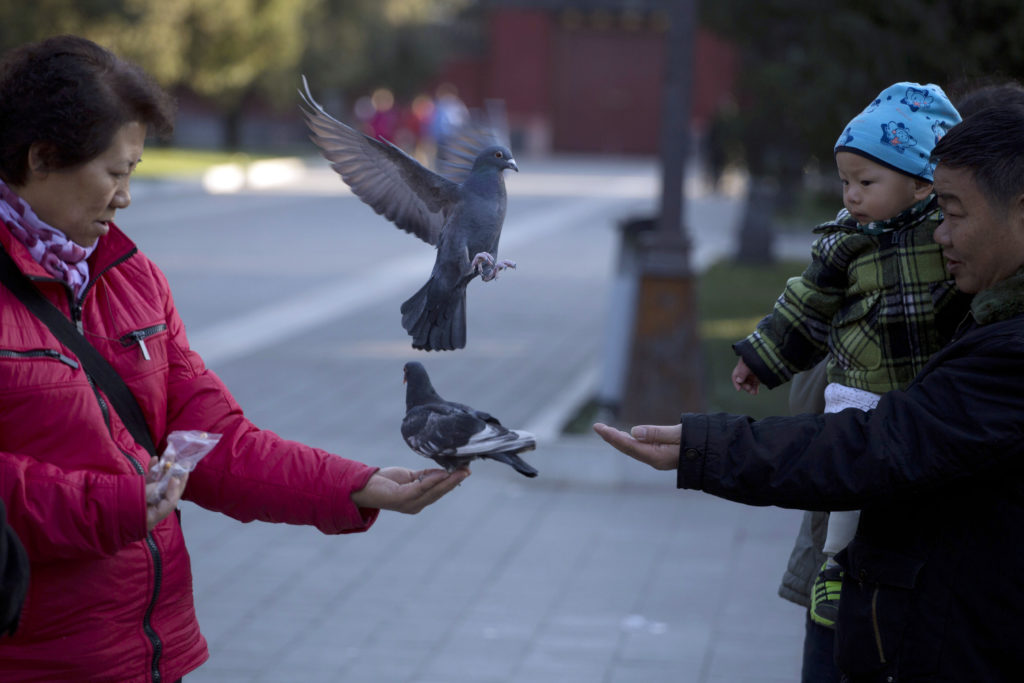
(461,214)
(453,434)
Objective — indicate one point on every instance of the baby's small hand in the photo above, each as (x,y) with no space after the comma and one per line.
(744,379)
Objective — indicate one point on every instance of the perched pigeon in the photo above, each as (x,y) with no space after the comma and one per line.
(453,434)
(461,216)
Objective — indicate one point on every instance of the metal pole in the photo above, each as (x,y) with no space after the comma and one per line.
(665,369)
(675,126)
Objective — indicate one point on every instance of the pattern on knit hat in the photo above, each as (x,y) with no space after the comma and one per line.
(911,117)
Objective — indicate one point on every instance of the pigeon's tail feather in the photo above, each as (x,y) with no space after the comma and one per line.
(436,323)
(517,463)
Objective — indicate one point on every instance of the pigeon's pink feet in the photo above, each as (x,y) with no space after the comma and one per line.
(488,268)
(481,258)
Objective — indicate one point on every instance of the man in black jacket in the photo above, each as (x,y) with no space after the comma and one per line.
(934,587)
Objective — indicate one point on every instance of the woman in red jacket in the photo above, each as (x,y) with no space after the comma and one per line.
(110,596)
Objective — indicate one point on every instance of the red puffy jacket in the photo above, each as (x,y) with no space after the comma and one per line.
(107,600)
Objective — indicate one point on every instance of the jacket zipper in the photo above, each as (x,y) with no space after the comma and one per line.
(76,304)
(139,337)
(40,353)
(158,568)
(960,328)
(147,625)
(85,290)
(874,624)
(154,551)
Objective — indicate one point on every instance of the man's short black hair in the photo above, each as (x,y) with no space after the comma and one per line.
(990,144)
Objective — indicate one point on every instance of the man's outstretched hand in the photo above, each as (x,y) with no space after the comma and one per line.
(657,446)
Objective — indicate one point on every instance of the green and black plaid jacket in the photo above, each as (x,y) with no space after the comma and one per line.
(876,298)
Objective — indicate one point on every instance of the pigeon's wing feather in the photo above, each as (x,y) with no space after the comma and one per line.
(456,154)
(394,184)
(478,414)
(517,463)
(494,438)
(438,429)
(412,424)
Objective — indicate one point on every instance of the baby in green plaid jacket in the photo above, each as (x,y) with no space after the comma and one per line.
(876,299)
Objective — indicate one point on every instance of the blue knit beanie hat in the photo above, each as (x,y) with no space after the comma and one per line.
(900,128)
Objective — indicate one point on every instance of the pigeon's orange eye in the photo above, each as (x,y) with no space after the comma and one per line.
(497,155)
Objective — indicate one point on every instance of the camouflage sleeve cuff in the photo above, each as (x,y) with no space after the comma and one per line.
(745,350)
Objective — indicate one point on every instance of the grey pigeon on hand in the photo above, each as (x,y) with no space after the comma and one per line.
(453,434)
(461,216)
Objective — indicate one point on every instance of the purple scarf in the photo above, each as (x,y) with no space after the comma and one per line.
(59,256)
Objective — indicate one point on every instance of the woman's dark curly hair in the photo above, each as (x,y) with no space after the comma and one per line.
(71,96)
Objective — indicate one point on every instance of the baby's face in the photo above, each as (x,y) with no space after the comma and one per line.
(872,192)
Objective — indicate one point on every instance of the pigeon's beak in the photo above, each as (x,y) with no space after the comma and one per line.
(512,164)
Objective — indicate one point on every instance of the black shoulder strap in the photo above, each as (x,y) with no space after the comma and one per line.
(14,576)
(99,369)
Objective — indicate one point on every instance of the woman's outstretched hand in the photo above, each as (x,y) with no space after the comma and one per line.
(408,491)
(657,446)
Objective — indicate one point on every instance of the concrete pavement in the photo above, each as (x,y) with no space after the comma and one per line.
(597,571)
(602,575)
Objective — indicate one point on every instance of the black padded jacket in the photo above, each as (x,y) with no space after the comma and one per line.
(934,587)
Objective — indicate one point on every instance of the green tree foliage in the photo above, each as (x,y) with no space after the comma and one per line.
(238,47)
(232,44)
(145,31)
(357,45)
(808,66)
(229,50)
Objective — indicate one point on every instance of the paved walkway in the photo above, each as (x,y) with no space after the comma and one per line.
(594,572)
(598,571)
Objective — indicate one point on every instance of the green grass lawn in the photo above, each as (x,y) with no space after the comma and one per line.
(175,162)
(731,300)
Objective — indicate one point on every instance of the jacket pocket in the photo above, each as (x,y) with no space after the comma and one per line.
(875,606)
(855,341)
(23,369)
(139,351)
(142,339)
(52,354)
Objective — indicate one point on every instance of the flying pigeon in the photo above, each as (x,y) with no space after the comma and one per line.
(453,434)
(460,214)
